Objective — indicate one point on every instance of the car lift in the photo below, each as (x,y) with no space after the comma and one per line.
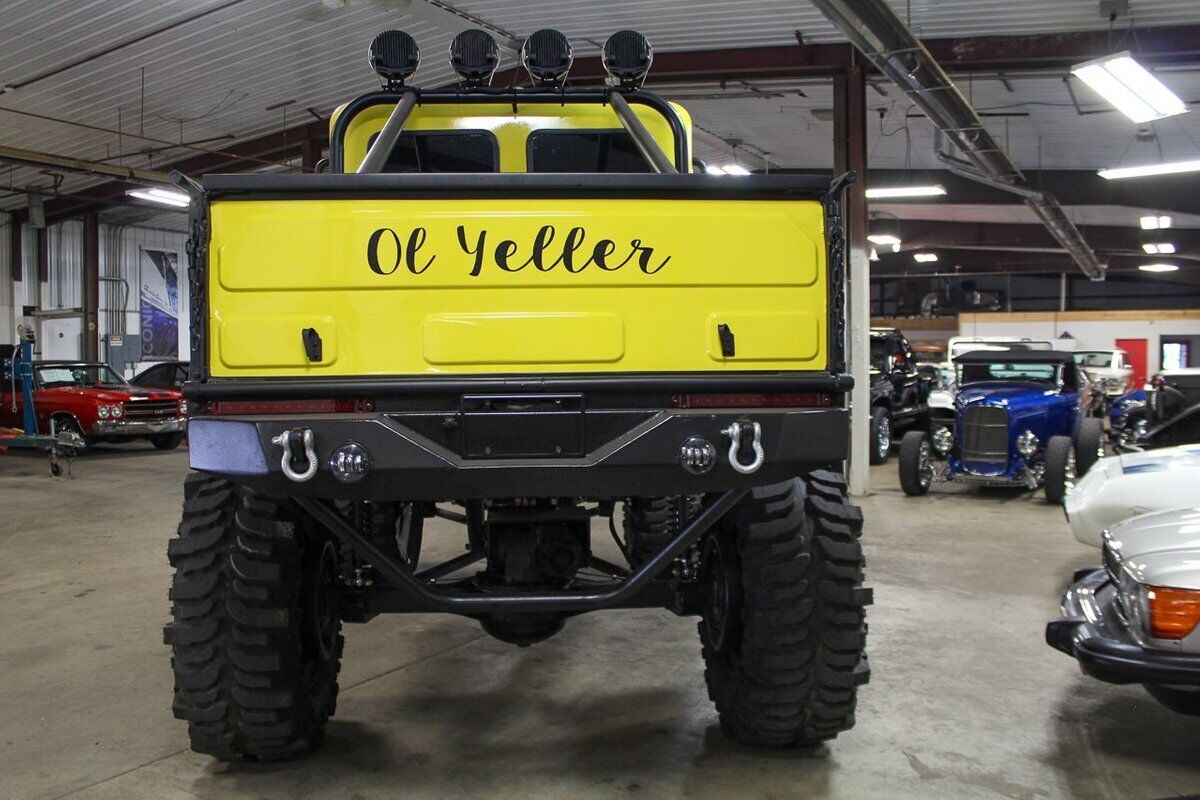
(61,447)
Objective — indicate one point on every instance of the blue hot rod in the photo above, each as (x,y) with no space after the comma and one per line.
(1022,418)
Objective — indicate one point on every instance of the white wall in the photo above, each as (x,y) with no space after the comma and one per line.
(120,253)
(1092,330)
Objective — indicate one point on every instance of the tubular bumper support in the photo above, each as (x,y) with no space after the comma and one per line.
(567,601)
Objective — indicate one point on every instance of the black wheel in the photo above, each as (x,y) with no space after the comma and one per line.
(255,638)
(1182,701)
(71,425)
(652,522)
(783,630)
(1060,468)
(166,441)
(1089,444)
(881,435)
(916,463)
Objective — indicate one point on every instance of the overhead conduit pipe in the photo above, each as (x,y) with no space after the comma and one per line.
(893,49)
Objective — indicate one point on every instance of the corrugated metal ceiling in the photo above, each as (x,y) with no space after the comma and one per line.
(212,76)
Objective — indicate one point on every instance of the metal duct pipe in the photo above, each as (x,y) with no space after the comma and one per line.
(893,49)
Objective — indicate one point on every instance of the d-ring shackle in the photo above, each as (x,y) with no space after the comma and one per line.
(734,432)
(285,441)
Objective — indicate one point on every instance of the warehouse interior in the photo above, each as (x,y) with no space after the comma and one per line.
(1003,204)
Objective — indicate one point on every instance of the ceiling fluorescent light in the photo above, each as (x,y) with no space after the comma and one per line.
(1159,267)
(1163,249)
(925,258)
(1154,223)
(883,238)
(905,191)
(735,169)
(712,169)
(1130,88)
(166,197)
(1149,170)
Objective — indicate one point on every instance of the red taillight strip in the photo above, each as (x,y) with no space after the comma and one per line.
(308,406)
(804,400)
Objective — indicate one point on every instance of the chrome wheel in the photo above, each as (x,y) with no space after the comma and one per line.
(1069,473)
(925,464)
(883,437)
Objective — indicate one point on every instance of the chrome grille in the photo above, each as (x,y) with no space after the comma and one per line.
(985,435)
(151,410)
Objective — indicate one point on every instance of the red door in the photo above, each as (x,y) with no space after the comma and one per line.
(1136,349)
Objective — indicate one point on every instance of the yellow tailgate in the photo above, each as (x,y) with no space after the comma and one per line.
(412,287)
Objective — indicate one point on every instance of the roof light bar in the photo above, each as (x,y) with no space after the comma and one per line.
(166,197)
(1130,88)
(1149,170)
(879,193)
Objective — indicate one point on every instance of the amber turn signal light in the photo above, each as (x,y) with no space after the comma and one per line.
(1173,612)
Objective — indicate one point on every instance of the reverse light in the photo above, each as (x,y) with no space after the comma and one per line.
(1130,88)
(1173,612)
(804,400)
(313,406)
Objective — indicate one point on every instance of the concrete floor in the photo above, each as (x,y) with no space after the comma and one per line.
(966,700)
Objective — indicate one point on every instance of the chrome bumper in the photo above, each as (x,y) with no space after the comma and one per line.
(123,427)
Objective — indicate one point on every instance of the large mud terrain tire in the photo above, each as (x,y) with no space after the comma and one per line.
(256,645)
(784,628)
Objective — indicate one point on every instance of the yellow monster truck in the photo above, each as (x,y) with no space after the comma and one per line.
(521,309)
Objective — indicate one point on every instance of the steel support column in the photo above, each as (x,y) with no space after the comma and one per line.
(91,286)
(850,153)
(16,252)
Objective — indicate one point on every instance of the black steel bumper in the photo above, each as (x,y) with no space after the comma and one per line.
(407,463)
(1094,633)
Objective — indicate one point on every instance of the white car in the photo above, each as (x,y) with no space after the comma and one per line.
(1135,619)
(958,345)
(1107,368)
(1127,485)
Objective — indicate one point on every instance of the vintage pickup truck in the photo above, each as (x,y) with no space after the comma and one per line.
(523,302)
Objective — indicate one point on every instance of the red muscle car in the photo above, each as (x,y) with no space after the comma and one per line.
(98,404)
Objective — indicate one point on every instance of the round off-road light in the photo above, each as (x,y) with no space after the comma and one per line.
(474,56)
(698,455)
(627,58)
(350,463)
(547,55)
(394,56)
